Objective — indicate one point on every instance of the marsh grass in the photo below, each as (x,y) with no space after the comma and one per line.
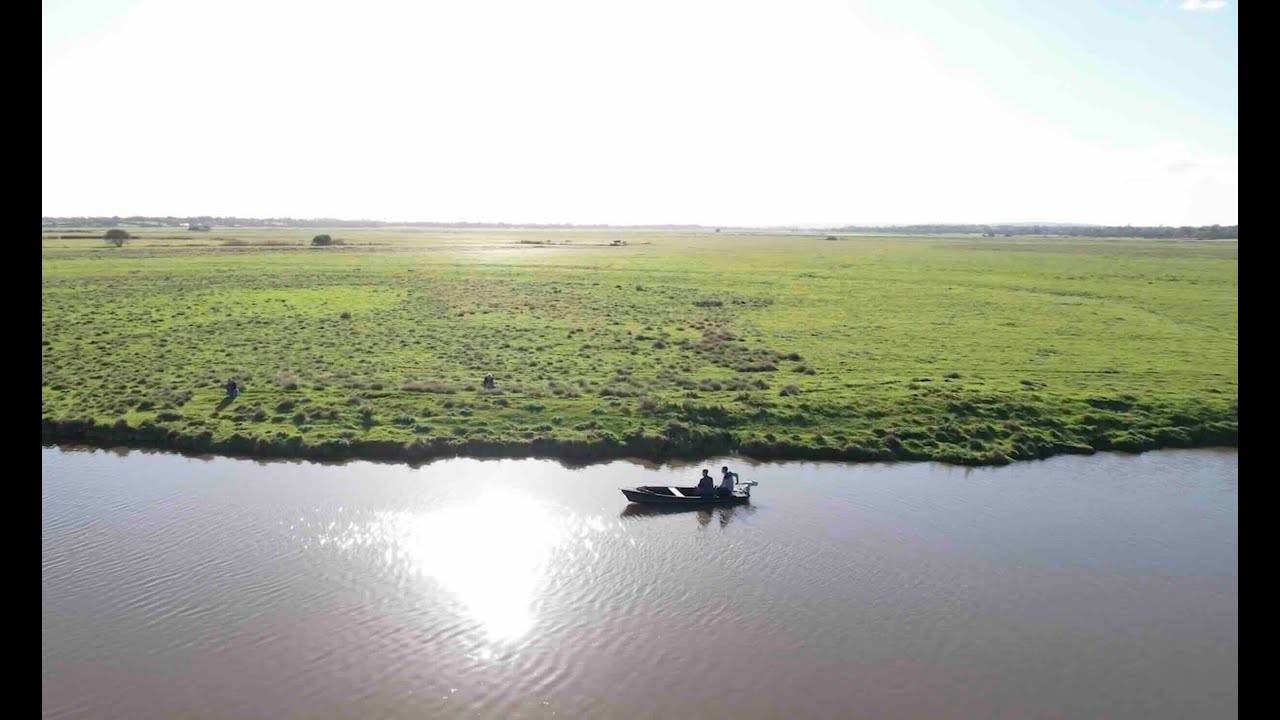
(951,349)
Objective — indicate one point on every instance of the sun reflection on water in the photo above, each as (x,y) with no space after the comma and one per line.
(494,555)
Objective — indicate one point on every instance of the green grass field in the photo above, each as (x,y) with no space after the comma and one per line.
(962,349)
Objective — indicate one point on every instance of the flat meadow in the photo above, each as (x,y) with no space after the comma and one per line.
(637,344)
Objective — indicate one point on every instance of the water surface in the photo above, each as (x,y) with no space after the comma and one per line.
(1078,587)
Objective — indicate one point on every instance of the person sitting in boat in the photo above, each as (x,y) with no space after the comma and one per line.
(706,484)
(727,481)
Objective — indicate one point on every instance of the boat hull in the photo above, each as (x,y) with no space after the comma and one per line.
(682,496)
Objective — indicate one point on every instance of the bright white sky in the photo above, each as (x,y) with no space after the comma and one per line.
(655,111)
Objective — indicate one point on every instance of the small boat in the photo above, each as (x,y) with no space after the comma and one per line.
(686,496)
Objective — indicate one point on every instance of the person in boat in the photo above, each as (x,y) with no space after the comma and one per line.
(706,484)
(727,481)
(233,388)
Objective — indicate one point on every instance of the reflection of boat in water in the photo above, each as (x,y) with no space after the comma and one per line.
(704,513)
(670,496)
(638,510)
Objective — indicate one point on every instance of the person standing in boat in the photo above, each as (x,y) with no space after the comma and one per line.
(727,481)
(706,484)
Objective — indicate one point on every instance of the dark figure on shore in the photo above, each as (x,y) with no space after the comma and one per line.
(706,485)
(727,481)
(233,389)
(488,382)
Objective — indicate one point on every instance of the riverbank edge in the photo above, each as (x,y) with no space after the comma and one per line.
(584,452)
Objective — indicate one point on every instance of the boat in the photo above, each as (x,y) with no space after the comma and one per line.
(687,496)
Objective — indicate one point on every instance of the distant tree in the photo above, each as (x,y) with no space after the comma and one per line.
(321,240)
(116,236)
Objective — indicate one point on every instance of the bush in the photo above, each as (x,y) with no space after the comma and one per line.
(321,240)
(116,236)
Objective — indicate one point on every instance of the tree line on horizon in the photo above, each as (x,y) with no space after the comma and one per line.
(205,222)
(1202,232)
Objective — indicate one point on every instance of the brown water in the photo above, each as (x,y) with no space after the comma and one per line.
(1079,587)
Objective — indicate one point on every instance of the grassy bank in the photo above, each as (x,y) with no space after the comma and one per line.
(611,344)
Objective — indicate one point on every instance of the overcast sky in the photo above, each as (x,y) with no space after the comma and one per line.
(690,111)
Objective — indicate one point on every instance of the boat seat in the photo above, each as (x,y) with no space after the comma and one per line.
(676,492)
